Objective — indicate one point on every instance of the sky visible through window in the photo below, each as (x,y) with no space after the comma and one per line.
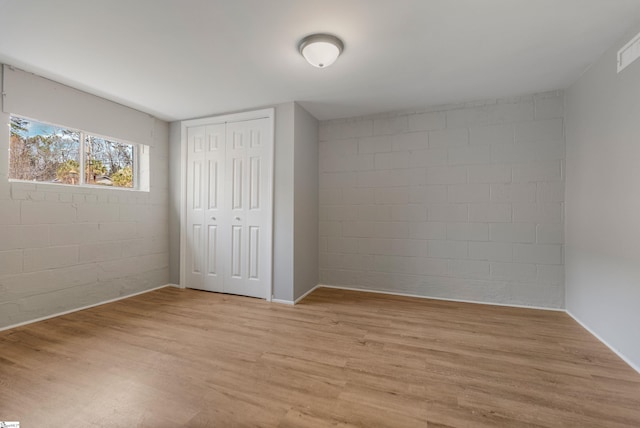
(32,128)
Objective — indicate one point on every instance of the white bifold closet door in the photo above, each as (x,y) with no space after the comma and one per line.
(229,203)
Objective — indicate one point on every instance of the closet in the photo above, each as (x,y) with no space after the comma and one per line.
(228,208)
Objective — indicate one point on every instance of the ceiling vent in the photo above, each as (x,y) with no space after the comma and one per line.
(629,53)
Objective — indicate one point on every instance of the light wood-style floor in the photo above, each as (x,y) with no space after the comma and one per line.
(174,358)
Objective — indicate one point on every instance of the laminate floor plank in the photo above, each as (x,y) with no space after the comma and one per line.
(186,358)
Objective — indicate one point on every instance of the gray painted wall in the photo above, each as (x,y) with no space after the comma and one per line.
(175,174)
(283,208)
(459,202)
(305,202)
(65,247)
(603,203)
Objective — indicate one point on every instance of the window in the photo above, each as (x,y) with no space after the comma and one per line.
(108,162)
(41,152)
(53,154)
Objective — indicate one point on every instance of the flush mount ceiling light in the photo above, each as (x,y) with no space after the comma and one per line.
(321,50)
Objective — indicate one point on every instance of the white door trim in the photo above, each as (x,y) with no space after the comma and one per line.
(268,113)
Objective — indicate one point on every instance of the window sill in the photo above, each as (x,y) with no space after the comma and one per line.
(66,188)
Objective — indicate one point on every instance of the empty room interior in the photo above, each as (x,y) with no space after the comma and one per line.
(353,213)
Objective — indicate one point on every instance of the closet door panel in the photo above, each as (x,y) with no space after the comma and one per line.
(196,166)
(215,214)
(250,184)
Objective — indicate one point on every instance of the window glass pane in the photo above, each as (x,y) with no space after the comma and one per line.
(108,162)
(42,152)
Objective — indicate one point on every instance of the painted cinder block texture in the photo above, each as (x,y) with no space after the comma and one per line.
(461,202)
(65,247)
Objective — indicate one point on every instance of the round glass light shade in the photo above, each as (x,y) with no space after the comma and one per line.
(321,50)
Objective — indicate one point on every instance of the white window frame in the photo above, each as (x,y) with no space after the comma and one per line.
(136,148)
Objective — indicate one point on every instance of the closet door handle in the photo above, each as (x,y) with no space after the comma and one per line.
(213,218)
(237,218)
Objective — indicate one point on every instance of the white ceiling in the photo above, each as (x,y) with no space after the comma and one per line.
(181,59)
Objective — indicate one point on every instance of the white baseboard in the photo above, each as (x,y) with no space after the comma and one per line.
(298,300)
(367,290)
(83,308)
(283,302)
(479,302)
(597,336)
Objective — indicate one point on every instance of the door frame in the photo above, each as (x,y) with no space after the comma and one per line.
(268,113)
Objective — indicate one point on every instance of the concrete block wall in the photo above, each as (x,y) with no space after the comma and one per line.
(460,202)
(65,247)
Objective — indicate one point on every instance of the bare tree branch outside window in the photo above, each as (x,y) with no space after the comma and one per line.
(48,153)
